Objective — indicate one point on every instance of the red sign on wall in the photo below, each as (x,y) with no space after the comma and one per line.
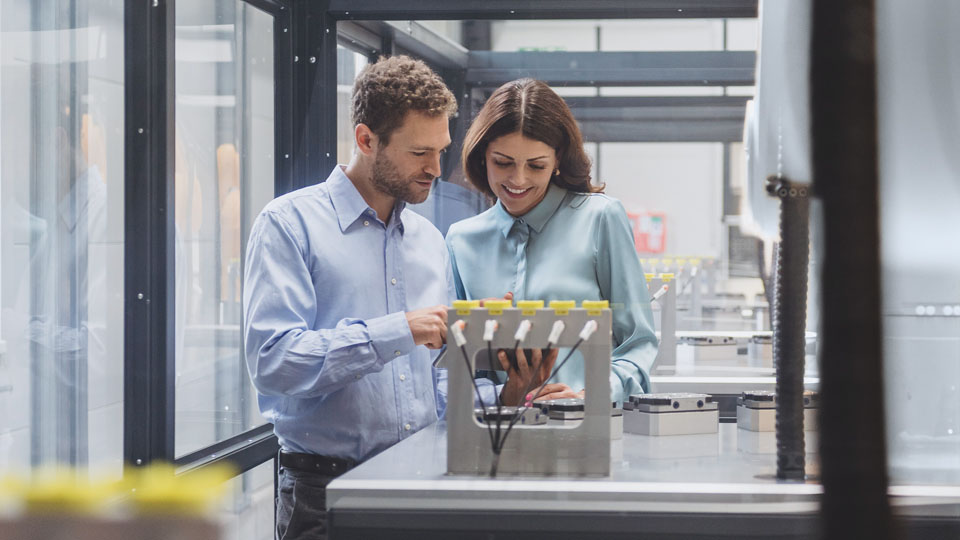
(649,231)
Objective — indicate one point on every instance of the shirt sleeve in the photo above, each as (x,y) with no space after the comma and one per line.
(621,281)
(284,355)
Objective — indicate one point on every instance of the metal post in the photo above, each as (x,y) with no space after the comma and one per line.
(149,232)
(844,135)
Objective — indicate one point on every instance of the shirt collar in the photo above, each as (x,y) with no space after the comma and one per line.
(537,217)
(349,204)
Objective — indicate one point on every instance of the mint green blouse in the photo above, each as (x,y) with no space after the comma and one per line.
(571,246)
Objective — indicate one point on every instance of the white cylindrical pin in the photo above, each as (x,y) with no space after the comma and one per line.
(522,330)
(555,332)
(663,290)
(588,329)
(490,328)
(457,330)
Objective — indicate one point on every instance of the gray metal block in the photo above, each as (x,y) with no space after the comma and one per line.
(766,419)
(671,423)
(582,448)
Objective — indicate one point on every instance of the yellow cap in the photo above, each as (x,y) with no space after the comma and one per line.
(653,261)
(496,307)
(529,307)
(668,261)
(667,277)
(463,307)
(594,307)
(562,307)
(695,261)
(649,276)
(681,261)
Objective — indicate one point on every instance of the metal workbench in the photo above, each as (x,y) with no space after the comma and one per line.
(691,486)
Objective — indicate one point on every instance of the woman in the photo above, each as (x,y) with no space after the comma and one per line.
(552,235)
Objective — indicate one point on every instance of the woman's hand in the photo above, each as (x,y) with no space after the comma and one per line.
(528,375)
(508,296)
(556,391)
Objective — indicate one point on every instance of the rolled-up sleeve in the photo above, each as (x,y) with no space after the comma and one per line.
(284,355)
(621,280)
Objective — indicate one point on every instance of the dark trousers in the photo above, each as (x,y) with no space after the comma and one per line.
(302,505)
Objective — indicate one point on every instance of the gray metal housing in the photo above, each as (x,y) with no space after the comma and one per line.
(583,449)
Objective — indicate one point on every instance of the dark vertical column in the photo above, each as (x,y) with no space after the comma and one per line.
(283,93)
(315,92)
(844,132)
(149,231)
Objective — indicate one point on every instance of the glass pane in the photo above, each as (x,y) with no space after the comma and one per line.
(247,509)
(62,234)
(920,253)
(224,176)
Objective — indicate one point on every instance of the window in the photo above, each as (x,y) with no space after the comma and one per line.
(224,176)
(61,234)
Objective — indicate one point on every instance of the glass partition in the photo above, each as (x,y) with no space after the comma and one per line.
(61,235)
(224,176)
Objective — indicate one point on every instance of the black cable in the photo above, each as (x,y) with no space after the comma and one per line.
(520,411)
(466,360)
(496,396)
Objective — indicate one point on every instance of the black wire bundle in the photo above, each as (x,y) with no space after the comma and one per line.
(496,440)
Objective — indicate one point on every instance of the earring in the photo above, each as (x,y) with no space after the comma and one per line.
(556,172)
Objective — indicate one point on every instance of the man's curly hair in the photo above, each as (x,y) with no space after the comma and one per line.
(386,90)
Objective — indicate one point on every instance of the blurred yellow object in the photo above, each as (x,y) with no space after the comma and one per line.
(60,491)
(159,491)
(666,277)
(153,490)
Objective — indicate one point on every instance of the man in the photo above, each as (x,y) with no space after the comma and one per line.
(345,293)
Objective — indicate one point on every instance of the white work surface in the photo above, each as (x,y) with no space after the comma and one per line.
(725,474)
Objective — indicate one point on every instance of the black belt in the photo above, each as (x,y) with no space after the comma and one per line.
(314,463)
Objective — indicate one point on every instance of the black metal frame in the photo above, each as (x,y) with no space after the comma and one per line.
(697,68)
(148,248)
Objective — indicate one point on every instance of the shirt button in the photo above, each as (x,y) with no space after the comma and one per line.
(393,280)
(357,376)
(406,427)
(366,223)
(397,353)
(403,377)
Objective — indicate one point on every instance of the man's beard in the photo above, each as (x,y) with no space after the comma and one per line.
(386,179)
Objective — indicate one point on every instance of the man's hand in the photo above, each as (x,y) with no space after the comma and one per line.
(429,326)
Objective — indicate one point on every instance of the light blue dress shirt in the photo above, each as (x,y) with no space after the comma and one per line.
(571,246)
(327,342)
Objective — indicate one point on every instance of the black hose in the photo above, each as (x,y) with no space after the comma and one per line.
(789,323)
